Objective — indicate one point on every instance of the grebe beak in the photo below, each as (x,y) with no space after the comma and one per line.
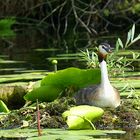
(110,50)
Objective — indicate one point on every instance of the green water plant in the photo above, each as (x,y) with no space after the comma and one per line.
(54,62)
(130,40)
(116,64)
(121,62)
(62,83)
(57,134)
(82,117)
(43,93)
(3,107)
(91,58)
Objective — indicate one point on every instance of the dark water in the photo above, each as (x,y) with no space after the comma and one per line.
(29,51)
(23,56)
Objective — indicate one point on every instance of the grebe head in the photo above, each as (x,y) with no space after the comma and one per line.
(104,49)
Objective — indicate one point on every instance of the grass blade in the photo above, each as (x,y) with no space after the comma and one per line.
(120,43)
(132,32)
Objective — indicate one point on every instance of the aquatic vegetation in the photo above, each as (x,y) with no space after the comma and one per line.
(54,134)
(124,117)
(130,40)
(122,62)
(54,62)
(43,93)
(82,117)
(3,107)
(91,58)
(62,34)
(62,83)
(117,63)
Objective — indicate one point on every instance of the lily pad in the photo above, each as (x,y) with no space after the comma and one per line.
(81,117)
(75,77)
(54,84)
(53,134)
(43,93)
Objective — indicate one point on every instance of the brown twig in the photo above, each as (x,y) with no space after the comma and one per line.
(80,20)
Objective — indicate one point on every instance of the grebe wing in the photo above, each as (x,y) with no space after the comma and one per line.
(83,96)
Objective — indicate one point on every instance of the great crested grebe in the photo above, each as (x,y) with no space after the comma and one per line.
(104,94)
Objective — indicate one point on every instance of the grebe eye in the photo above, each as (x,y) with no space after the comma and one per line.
(104,47)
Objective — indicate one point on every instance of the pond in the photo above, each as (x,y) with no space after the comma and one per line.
(28,58)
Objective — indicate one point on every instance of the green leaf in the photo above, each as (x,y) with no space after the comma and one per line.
(136,39)
(132,32)
(128,38)
(54,84)
(43,93)
(3,107)
(61,134)
(117,45)
(72,77)
(120,42)
(80,117)
(61,137)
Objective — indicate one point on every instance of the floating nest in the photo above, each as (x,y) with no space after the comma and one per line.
(124,117)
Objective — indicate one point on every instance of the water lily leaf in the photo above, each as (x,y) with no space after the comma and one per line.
(61,137)
(80,117)
(43,93)
(72,77)
(3,107)
(54,134)
(53,84)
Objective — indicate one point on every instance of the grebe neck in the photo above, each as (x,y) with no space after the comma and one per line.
(104,74)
